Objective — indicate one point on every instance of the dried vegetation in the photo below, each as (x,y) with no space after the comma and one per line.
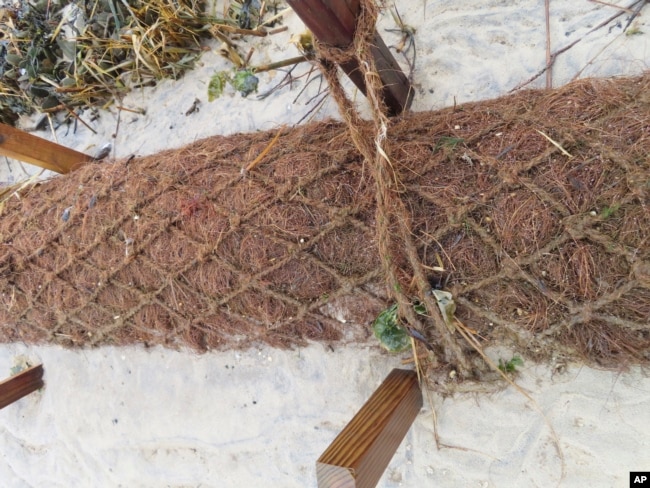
(63,55)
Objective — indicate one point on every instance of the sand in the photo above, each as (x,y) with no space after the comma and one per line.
(260,418)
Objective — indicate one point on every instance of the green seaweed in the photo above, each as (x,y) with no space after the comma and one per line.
(511,365)
(216,85)
(391,335)
(245,82)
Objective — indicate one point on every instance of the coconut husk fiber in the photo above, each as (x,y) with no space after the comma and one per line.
(535,205)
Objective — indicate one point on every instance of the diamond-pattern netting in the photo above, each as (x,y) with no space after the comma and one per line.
(541,249)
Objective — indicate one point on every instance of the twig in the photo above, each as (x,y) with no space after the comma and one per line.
(415,358)
(625,9)
(314,97)
(281,64)
(259,158)
(249,56)
(259,32)
(277,30)
(140,111)
(117,125)
(549,71)
(287,79)
(600,51)
(308,82)
(412,359)
(221,36)
(556,144)
(71,112)
(407,43)
(315,108)
(635,13)
(54,109)
(566,48)
(270,20)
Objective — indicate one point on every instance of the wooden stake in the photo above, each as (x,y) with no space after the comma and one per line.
(20,385)
(334,22)
(360,453)
(18,144)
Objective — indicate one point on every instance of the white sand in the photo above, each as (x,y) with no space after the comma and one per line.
(133,417)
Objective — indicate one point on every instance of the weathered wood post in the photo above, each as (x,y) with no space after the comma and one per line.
(17,144)
(360,453)
(20,385)
(333,22)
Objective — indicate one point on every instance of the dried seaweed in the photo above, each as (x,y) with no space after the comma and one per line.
(61,55)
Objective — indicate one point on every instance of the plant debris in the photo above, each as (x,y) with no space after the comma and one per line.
(62,54)
(391,335)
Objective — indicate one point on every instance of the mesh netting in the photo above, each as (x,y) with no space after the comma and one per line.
(541,250)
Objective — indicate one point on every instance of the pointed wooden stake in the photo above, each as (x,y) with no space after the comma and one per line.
(334,22)
(360,453)
(17,144)
(20,385)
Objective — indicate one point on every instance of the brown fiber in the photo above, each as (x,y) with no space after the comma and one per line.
(543,252)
